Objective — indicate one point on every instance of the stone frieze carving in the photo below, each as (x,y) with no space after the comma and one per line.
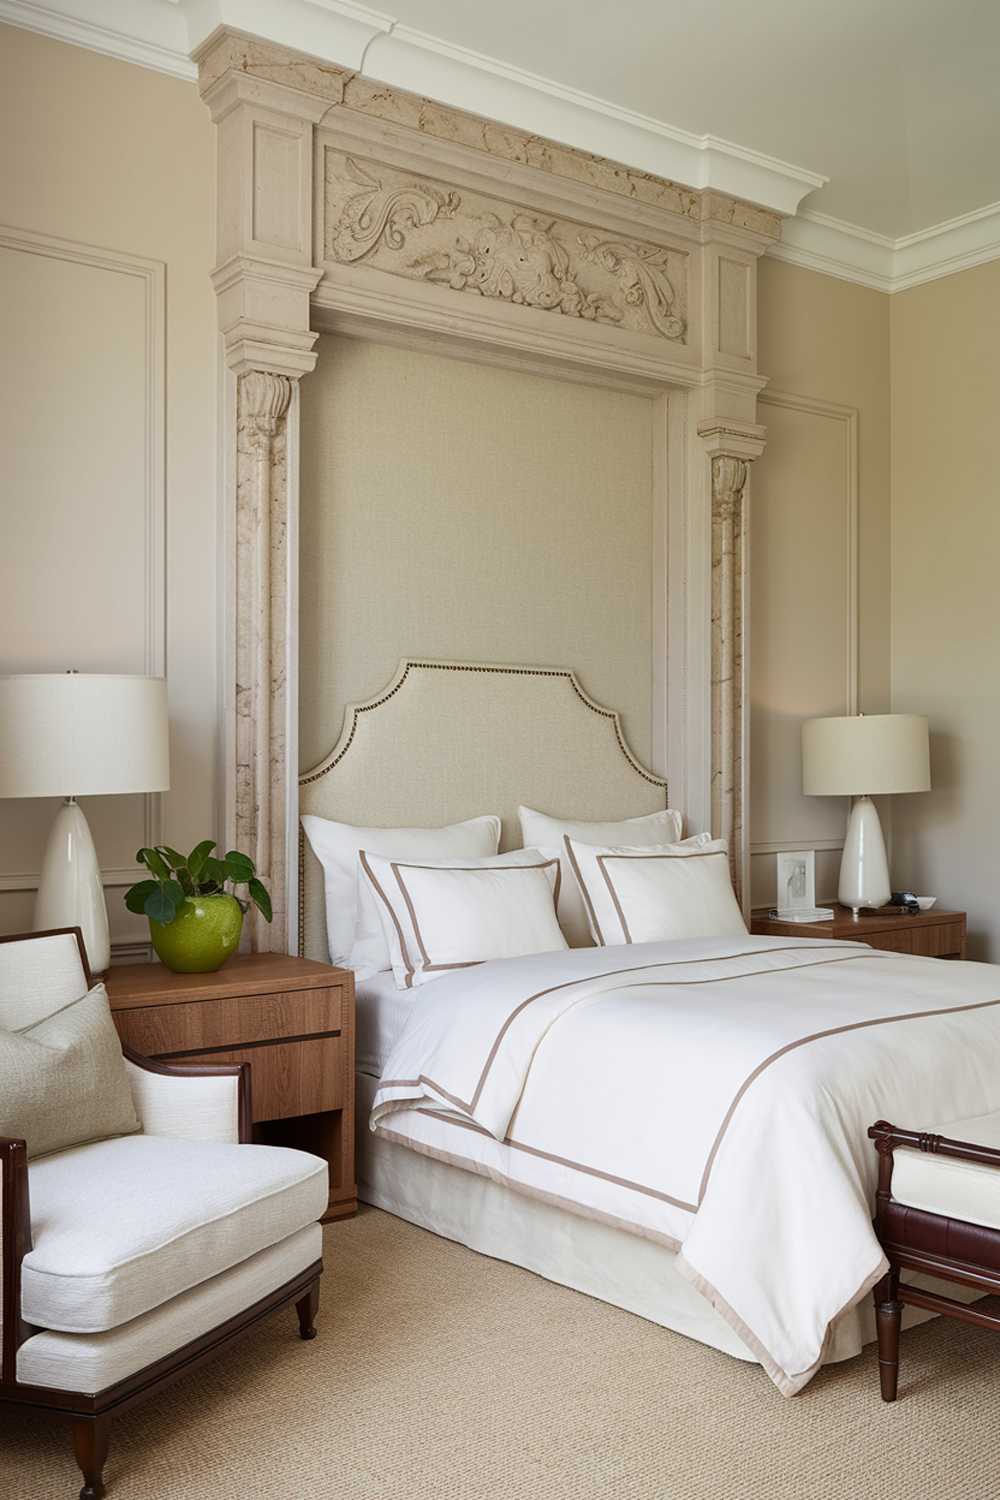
(415,227)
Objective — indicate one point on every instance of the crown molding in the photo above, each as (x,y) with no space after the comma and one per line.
(852,253)
(152,33)
(467,80)
(162,34)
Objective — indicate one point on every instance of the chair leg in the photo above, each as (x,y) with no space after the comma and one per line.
(307,1307)
(888,1315)
(90,1443)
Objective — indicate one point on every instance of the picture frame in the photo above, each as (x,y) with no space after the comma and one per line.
(796,881)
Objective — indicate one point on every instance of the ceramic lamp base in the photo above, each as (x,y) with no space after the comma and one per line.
(864,868)
(70,893)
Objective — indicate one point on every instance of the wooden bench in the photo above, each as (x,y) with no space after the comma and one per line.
(937,1212)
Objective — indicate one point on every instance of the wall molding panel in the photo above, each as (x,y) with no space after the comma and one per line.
(151,276)
(845,420)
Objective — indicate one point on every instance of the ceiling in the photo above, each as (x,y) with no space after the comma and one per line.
(873,124)
(897,102)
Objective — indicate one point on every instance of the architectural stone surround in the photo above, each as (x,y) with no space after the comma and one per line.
(344,205)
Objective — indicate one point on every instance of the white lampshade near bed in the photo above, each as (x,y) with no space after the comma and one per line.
(70,735)
(864,756)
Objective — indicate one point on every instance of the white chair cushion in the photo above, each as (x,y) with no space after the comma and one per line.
(91,1362)
(121,1226)
(942,1185)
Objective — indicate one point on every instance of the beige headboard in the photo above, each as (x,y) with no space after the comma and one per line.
(447,740)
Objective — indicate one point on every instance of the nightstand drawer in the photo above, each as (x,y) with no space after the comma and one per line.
(203,1025)
(288,1079)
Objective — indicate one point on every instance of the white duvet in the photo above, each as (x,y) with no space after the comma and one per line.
(713,1095)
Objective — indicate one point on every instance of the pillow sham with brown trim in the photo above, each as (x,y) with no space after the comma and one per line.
(649,895)
(441,915)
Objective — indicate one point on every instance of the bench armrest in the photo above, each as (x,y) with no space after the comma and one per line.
(191,1101)
(887,1137)
(15,1242)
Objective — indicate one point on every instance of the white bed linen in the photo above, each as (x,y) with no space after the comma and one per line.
(382,1009)
(759,1061)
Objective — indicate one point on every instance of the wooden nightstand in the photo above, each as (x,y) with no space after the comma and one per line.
(290,1018)
(933,934)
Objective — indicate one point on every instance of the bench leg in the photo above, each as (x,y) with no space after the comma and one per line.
(888,1314)
(90,1443)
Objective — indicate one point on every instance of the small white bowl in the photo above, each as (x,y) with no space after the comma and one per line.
(926,902)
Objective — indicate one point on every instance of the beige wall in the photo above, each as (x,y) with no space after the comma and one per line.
(110,513)
(824,344)
(453,509)
(945,567)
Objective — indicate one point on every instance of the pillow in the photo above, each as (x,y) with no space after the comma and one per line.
(439,915)
(651,894)
(353,929)
(63,1080)
(539,831)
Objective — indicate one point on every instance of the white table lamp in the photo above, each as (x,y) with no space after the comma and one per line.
(862,757)
(73,734)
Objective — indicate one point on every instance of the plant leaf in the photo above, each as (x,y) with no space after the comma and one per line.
(163,903)
(260,897)
(153,862)
(215,870)
(175,859)
(135,896)
(241,866)
(199,854)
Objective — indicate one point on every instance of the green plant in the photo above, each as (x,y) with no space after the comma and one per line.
(200,873)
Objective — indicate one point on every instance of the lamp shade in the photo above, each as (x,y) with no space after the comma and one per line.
(865,755)
(82,734)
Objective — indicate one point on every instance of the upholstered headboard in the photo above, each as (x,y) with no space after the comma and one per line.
(447,740)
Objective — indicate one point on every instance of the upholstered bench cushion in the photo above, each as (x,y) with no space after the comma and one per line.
(121,1226)
(942,1185)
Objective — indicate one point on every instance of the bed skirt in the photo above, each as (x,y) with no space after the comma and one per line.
(604,1262)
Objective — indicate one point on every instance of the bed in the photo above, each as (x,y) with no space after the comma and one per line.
(677,1128)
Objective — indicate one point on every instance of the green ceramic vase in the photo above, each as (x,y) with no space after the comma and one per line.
(205,931)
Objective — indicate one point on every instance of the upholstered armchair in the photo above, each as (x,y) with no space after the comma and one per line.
(127,1260)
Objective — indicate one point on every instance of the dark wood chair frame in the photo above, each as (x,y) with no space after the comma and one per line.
(914,1240)
(91,1415)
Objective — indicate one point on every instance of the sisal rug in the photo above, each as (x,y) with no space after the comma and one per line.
(441,1375)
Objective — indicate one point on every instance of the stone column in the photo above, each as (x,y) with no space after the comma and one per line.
(263,280)
(731,446)
(729,571)
(261,580)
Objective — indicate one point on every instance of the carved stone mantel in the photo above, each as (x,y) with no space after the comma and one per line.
(349,206)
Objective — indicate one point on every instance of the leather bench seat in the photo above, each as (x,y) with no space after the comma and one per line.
(121,1226)
(955,1189)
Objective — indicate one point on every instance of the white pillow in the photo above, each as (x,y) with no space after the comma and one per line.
(539,831)
(649,895)
(353,929)
(441,915)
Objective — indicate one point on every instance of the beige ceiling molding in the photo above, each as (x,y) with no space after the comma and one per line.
(835,248)
(163,34)
(371,45)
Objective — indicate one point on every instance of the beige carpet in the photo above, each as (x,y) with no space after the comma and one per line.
(440,1375)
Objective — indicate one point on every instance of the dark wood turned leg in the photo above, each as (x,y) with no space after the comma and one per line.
(307,1307)
(888,1315)
(90,1443)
